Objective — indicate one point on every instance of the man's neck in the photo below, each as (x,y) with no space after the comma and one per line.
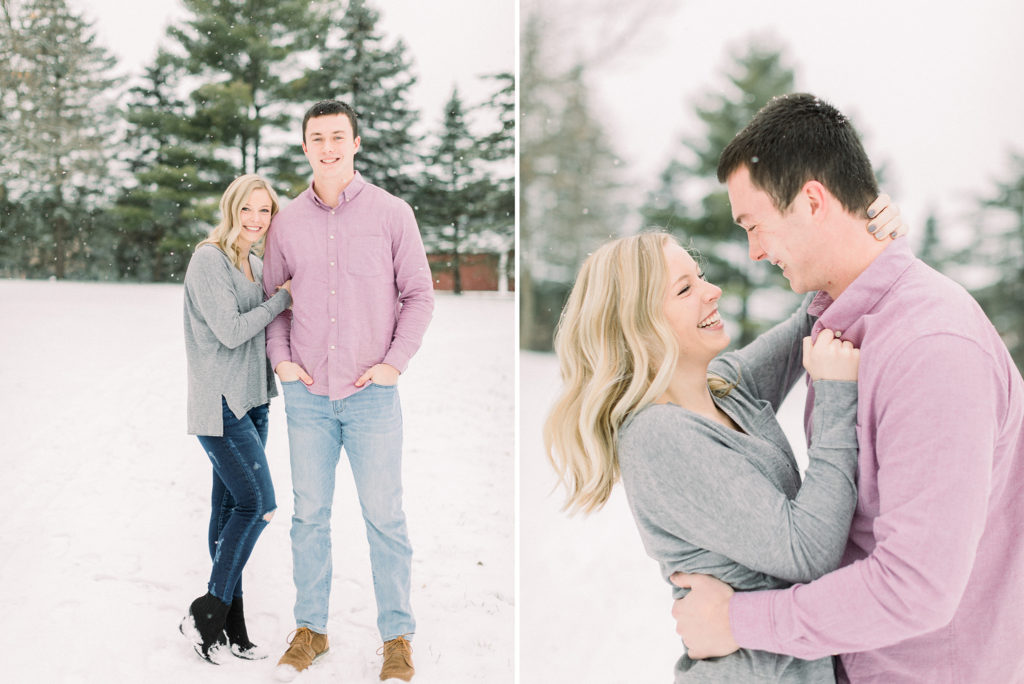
(851,254)
(329,190)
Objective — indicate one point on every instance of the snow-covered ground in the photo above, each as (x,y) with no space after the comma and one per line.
(105,501)
(592,605)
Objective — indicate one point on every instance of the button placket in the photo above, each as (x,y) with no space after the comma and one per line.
(333,305)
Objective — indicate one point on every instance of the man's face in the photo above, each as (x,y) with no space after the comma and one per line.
(785,240)
(330,147)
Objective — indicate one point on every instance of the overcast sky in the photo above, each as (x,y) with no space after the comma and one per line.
(450,41)
(935,89)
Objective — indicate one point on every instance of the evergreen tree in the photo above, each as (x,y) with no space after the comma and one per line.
(932,251)
(463,199)
(241,50)
(55,134)
(358,68)
(445,208)
(691,203)
(567,176)
(998,247)
(170,207)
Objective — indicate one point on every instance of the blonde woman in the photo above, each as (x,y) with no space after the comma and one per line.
(708,473)
(229,390)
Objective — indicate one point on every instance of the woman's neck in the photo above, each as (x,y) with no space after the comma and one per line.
(689,389)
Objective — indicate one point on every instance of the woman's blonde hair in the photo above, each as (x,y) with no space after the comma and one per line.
(225,234)
(617,354)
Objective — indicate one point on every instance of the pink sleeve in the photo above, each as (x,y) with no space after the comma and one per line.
(415,288)
(936,409)
(275,272)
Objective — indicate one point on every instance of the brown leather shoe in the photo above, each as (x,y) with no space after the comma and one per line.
(305,646)
(397,660)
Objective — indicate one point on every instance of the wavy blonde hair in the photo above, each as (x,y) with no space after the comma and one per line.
(617,354)
(225,234)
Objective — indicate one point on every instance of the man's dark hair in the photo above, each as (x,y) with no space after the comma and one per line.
(797,138)
(329,108)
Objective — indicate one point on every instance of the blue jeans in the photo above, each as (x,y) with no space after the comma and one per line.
(242,501)
(369,425)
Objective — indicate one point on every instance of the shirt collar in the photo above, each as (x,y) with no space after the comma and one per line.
(865,291)
(354,187)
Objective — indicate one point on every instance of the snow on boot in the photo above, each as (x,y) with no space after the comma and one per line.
(238,636)
(204,624)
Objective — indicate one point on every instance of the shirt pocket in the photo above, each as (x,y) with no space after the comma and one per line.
(368,255)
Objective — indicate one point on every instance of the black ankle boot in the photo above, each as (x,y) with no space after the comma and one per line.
(238,636)
(204,623)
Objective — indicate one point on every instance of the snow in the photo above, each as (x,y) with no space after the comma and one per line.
(106,500)
(593,607)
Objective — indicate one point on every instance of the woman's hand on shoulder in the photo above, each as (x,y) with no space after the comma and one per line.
(830,358)
(884,219)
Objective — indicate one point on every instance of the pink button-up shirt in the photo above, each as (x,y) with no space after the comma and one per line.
(932,584)
(361,287)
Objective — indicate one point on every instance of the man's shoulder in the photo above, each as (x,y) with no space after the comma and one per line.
(294,207)
(925,304)
(382,198)
(930,299)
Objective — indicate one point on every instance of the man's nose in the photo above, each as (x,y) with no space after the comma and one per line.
(754,247)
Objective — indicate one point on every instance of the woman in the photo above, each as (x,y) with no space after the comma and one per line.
(707,470)
(229,388)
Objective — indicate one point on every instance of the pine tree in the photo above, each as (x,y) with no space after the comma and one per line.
(692,204)
(465,204)
(998,248)
(358,68)
(241,51)
(567,173)
(55,134)
(168,208)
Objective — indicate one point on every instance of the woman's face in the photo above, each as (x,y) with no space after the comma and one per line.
(255,216)
(691,307)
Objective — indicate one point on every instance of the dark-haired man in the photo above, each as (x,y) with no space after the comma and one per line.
(363,297)
(931,587)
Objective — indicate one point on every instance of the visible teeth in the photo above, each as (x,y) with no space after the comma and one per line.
(710,320)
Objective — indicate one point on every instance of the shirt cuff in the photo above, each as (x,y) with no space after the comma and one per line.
(750,619)
(276,355)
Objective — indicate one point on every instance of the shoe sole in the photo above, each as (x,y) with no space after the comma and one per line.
(286,673)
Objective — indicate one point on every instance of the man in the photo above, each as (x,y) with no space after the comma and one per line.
(931,587)
(363,297)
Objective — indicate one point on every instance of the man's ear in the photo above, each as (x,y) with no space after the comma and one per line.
(817,198)
(356,144)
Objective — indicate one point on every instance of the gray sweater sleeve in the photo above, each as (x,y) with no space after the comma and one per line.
(687,479)
(771,364)
(208,283)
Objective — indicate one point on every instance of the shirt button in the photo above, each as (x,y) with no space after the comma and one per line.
(332,346)
(332,320)
(332,291)
(332,237)
(332,213)
(332,263)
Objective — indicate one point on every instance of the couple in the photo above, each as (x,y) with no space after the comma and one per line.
(338,310)
(916,443)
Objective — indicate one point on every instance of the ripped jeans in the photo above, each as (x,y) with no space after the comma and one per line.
(242,502)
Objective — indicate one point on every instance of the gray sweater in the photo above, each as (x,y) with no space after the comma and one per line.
(730,504)
(224,342)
